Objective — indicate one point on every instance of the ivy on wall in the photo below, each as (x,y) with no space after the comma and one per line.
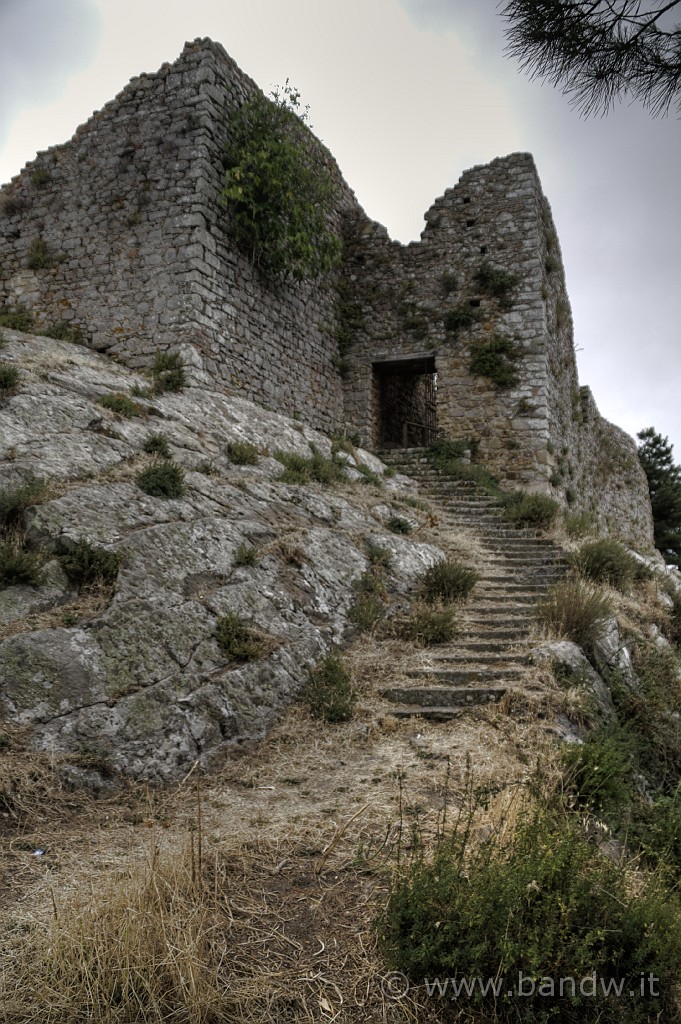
(279,194)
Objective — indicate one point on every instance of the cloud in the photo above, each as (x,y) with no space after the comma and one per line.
(42,44)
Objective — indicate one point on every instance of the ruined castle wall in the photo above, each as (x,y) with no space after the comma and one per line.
(408,295)
(134,245)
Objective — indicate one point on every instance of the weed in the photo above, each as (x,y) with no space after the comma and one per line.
(430,626)
(157,444)
(40,256)
(396,524)
(329,693)
(122,405)
(576,611)
(41,177)
(299,470)
(207,467)
(237,640)
(578,524)
(446,581)
(163,481)
(17,319)
(496,360)
(13,206)
(241,453)
(499,284)
(13,503)
(378,555)
(245,555)
(369,606)
(460,318)
(368,475)
(449,283)
(599,772)
(64,331)
(536,900)
(168,372)
(607,561)
(86,565)
(9,380)
(18,566)
(533,510)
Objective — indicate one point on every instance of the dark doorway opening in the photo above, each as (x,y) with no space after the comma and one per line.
(405,400)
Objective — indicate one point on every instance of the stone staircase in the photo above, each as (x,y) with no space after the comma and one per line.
(490,657)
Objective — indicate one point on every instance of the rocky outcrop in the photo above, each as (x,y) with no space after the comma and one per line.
(140,682)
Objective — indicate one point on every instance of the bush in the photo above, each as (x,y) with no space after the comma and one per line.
(369,606)
(18,566)
(18,319)
(461,317)
(578,524)
(9,379)
(243,454)
(237,640)
(299,470)
(13,503)
(447,581)
(63,331)
(40,256)
(496,359)
(430,626)
(576,611)
(497,283)
(163,481)
(168,372)
(378,555)
(533,510)
(329,693)
(122,405)
(607,561)
(368,475)
(157,444)
(396,524)
(86,565)
(280,195)
(600,772)
(245,555)
(538,902)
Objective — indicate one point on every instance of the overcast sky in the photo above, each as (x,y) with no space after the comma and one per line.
(407,94)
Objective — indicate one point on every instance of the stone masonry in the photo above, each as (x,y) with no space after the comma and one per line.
(121,232)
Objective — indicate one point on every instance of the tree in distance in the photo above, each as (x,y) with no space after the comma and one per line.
(664,484)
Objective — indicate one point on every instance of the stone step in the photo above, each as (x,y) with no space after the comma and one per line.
(485,660)
(480,649)
(463,676)
(509,634)
(444,696)
(431,714)
(515,626)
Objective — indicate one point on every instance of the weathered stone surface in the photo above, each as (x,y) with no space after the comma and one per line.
(575,669)
(612,656)
(142,684)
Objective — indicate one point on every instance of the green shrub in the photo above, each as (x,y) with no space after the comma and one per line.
(446,581)
(496,360)
(329,693)
(10,379)
(671,625)
(122,405)
(243,454)
(279,195)
(430,626)
(40,177)
(599,772)
(460,318)
(168,372)
(533,510)
(237,640)
(14,502)
(18,566)
(64,331)
(40,256)
(18,319)
(245,555)
(86,565)
(578,524)
(368,475)
(444,451)
(499,284)
(575,610)
(607,561)
(163,481)
(207,467)
(369,606)
(157,444)
(539,902)
(396,524)
(378,555)
(299,470)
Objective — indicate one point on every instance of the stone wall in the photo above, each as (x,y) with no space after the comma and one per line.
(127,222)
(121,232)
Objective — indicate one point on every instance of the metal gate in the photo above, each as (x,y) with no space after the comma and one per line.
(407,407)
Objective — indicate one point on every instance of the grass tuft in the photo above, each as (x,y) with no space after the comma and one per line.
(162,481)
(446,581)
(329,694)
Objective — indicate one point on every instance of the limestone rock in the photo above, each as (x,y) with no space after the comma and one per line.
(570,663)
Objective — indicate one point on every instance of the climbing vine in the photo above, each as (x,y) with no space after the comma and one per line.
(279,195)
